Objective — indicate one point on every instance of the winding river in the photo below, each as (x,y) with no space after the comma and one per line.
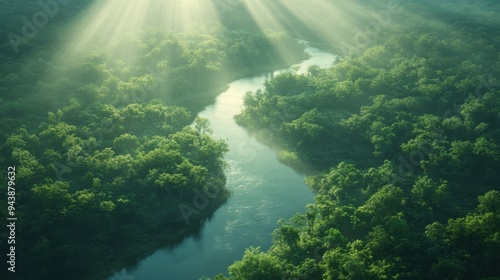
(263,191)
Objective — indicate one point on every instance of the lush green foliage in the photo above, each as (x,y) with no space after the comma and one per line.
(109,161)
(181,69)
(101,176)
(407,137)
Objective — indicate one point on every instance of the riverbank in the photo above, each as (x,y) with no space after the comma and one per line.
(263,191)
(130,252)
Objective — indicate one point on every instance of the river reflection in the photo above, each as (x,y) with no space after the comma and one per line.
(263,191)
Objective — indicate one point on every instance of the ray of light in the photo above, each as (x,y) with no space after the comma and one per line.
(263,15)
(105,23)
(331,22)
(183,15)
(322,18)
(267,16)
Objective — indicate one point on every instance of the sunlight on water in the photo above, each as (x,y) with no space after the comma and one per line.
(263,191)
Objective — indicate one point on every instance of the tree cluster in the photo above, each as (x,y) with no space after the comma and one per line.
(110,157)
(406,138)
(95,178)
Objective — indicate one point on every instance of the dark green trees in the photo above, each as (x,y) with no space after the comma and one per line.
(94,173)
(406,140)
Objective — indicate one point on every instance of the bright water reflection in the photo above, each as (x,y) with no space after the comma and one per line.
(263,191)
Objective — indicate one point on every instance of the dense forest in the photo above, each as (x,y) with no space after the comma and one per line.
(110,159)
(405,141)
(400,139)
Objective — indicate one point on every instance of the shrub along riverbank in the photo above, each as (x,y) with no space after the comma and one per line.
(406,138)
(108,164)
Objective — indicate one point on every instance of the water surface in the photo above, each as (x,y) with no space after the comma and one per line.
(263,191)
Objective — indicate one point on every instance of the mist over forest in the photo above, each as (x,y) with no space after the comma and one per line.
(106,159)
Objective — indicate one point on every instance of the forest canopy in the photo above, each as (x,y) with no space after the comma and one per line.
(406,139)
(400,138)
(106,143)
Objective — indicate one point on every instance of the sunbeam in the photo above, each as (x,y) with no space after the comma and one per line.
(318,139)
(335,22)
(105,23)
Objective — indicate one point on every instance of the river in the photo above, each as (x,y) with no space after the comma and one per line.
(263,191)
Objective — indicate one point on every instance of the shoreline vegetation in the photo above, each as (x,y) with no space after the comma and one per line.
(106,146)
(405,140)
(399,140)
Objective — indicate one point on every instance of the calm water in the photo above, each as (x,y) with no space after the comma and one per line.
(263,191)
